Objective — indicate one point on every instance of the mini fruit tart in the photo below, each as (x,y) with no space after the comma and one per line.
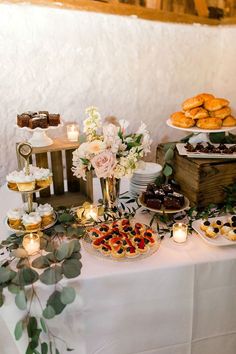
(94,233)
(204,225)
(131,252)
(99,242)
(142,247)
(212,232)
(119,253)
(231,235)
(225,228)
(232,219)
(105,249)
(217,223)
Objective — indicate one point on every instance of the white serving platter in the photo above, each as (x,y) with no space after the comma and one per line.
(201,155)
(220,240)
(199,130)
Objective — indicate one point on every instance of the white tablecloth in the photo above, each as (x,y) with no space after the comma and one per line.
(181,300)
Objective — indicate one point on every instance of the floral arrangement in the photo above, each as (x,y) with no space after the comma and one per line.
(108,149)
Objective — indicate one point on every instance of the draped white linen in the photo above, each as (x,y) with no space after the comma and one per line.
(181,300)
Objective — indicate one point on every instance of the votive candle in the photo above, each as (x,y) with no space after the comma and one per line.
(180,232)
(31,243)
(73,132)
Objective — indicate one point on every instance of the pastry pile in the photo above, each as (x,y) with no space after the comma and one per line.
(215,228)
(205,112)
(120,239)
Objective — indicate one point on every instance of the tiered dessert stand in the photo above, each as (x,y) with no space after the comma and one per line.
(25,150)
(39,136)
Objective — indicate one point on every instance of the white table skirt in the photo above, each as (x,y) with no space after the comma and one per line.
(181,300)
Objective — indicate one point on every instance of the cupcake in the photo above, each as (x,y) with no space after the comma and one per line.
(25,183)
(14,218)
(43,177)
(26,207)
(11,180)
(46,213)
(32,221)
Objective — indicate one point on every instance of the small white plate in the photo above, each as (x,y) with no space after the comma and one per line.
(150,169)
(199,130)
(219,240)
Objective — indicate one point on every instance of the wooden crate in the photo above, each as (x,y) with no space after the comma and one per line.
(66,189)
(201,180)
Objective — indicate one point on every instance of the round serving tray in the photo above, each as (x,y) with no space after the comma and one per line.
(87,244)
(199,130)
(29,231)
(166,211)
(27,192)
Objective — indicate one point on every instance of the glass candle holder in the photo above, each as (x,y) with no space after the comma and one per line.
(180,232)
(88,213)
(31,243)
(73,132)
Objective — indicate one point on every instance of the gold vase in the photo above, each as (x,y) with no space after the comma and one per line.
(110,192)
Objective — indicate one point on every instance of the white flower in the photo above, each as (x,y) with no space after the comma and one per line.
(96,146)
(146,143)
(142,129)
(92,123)
(111,138)
(81,152)
(123,125)
(119,171)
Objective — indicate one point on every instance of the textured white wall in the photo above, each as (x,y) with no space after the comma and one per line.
(64,61)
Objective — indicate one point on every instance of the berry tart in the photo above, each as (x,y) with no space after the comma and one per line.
(121,239)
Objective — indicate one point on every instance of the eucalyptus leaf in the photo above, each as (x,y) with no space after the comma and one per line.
(20,300)
(57,351)
(51,257)
(22,263)
(71,268)
(6,275)
(55,302)
(59,228)
(51,275)
(49,312)
(32,326)
(217,137)
(167,170)
(169,155)
(68,295)
(65,217)
(69,349)
(65,250)
(18,330)
(41,262)
(26,276)
(44,348)
(43,325)
(14,289)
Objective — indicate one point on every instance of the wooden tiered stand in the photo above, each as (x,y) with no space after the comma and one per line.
(67,190)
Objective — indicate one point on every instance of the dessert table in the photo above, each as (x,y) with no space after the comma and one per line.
(180,300)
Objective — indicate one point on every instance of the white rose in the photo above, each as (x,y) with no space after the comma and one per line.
(96,146)
(119,171)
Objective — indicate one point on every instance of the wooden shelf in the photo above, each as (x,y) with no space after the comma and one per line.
(116,8)
(58,144)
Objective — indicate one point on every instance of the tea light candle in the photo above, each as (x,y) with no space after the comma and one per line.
(92,212)
(31,243)
(180,232)
(72,132)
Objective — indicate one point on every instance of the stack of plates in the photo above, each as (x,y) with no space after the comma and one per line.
(143,176)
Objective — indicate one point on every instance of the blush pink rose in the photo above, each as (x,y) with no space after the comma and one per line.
(104,164)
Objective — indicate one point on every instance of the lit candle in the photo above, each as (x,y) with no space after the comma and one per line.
(92,213)
(31,243)
(180,232)
(72,132)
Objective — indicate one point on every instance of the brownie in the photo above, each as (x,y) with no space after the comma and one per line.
(167,188)
(171,203)
(154,203)
(31,113)
(159,194)
(54,119)
(23,120)
(39,121)
(46,113)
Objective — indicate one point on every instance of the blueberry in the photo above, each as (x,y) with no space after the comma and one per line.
(207,223)
(120,251)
